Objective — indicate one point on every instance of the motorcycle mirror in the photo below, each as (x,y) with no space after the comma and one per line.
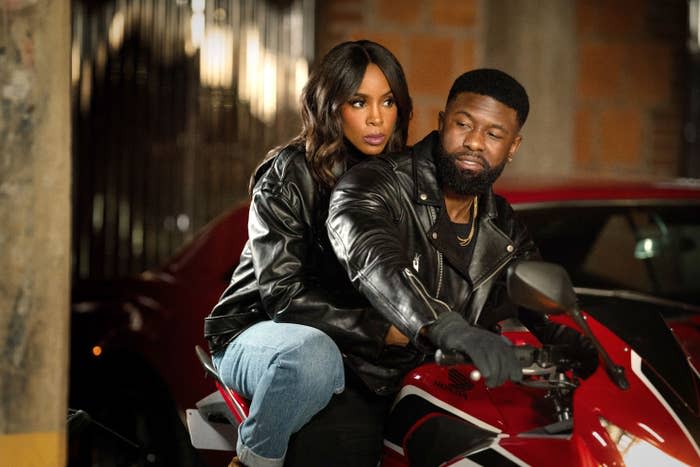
(547,288)
(541,286)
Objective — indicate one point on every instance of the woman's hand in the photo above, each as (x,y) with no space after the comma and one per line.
(394,337)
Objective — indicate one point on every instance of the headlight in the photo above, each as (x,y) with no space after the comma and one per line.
(637,452)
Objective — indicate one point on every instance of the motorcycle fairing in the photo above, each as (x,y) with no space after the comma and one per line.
(643,371)
(541,451)
(438,438)
(430,432)
(519,428)
(640,406)
(414,403)
(641,325)
(492,456)
(478,418)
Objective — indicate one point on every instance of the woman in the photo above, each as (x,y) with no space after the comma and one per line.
(275,335)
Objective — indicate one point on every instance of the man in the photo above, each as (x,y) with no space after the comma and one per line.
(424,238)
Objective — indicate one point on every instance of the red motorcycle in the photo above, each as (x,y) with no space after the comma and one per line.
(641,407)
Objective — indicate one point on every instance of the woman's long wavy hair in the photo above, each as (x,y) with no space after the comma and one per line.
(333,83)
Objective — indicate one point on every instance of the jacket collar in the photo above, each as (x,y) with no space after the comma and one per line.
(426,187)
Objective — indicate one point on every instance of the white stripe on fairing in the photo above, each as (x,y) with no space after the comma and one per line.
(413,390)
(394,447)
(465,463)
(637,369)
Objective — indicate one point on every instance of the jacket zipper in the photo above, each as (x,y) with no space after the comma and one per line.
(440,269)
(440,264)
(422,292)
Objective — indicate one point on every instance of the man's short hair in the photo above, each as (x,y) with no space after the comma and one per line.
(496,84)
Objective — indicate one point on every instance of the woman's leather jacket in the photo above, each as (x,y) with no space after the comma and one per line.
(288,271)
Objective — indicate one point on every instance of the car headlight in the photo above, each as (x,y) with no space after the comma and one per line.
(637,452)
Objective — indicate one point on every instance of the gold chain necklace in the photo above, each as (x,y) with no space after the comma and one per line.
(474,208)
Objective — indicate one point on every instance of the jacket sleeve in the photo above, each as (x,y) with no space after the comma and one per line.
(365,212)
(281,239)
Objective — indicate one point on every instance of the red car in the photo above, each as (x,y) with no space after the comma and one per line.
(627,246)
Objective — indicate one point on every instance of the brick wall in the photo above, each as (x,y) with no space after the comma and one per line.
(629,93)
(629,89)
(434,40)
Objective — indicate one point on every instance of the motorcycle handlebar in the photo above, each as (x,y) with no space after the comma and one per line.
(526,355)
(449,359)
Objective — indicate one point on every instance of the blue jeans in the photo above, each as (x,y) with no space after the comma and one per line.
(289,372)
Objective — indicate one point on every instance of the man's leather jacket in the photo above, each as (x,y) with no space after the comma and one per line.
(384,224)
(288,271)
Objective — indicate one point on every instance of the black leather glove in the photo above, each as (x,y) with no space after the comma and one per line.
(490,353)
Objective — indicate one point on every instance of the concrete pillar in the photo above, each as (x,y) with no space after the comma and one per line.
(35,162)
(535,41)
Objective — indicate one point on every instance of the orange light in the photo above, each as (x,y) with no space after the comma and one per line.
(97,351)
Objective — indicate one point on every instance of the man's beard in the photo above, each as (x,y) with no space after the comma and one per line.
(465,182)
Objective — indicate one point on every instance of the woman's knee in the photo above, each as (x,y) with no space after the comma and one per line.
(316,362)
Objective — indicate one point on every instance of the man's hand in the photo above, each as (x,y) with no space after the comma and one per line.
(491,354)
(395,337)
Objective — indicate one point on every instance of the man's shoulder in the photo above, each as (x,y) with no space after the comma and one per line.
(502,204)
(419,155)
(403,161)
(500,208)
(398,160)
(384,166)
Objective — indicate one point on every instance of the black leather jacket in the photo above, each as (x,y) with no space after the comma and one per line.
(288,271)
(289,261)
(384,226)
